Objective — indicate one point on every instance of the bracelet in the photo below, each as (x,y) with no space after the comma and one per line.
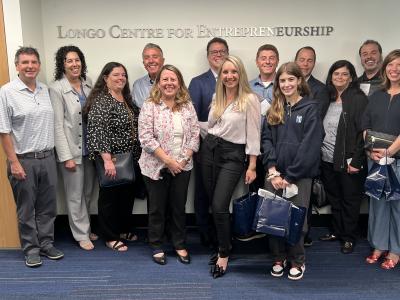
(273,175)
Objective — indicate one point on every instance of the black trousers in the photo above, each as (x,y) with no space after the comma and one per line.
(167,196)
(223,164)
(201,200)
(345,192)
(115,210)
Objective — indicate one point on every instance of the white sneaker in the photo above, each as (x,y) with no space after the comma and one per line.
(296,273)
(277,268)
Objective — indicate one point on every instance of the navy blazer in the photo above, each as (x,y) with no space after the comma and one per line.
(202,89)
(320,93)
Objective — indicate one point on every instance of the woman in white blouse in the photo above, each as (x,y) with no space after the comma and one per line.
(233,139)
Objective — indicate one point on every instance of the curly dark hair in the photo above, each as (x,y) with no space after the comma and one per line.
(101,87)
(61,54)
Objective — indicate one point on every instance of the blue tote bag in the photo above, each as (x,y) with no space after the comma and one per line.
(244,209)
(273,216)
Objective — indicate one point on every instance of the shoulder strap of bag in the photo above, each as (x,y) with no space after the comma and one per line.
(130,117)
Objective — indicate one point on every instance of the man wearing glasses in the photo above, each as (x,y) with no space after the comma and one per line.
(202,89)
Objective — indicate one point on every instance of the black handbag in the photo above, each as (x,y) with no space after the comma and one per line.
(375,139)
(124,166)
(318,195)
(123,162)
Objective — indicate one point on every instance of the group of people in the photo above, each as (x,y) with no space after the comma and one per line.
(278,131)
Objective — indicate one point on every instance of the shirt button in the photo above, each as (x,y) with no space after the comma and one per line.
(77,100)
(79,147)
(80,113)
(80,123)
(80,135)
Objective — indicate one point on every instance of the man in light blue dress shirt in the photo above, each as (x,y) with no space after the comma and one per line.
(267,61)
(153,60)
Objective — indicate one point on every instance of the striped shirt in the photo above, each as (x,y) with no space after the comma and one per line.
(27,116)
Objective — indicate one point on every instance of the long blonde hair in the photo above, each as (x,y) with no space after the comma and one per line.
(182,96)
(277,109)
(220,102)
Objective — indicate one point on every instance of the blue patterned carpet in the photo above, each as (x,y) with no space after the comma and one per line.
(106,274)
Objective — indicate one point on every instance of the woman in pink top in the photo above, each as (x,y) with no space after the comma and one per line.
(169,134)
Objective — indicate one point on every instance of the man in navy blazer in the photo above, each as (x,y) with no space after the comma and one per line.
(202,89)
(305,59)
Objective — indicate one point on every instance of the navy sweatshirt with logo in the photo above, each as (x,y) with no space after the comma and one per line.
(294,146)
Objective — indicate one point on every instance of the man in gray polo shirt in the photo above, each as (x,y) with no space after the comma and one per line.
(153,60)
(27,137)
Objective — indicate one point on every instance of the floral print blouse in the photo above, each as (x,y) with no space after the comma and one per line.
(109,128)
(156,129)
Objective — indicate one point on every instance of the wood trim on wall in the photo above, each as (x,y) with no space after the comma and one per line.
(9,237)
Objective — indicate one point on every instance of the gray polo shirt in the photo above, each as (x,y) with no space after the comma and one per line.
(141,90)
(28,116)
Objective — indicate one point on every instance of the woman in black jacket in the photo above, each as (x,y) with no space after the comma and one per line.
(343,168)
(291,141)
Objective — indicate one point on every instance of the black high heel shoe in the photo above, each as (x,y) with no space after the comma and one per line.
(217,270)
(213,259)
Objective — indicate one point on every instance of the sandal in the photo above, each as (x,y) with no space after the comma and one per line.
(117,246)
(389,264)
(130,237)
(375,256)
(86,245)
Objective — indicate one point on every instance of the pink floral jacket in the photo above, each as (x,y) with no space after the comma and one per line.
(156,129)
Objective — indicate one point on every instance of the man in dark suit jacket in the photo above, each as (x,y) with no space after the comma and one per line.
(202,89)
(305,59)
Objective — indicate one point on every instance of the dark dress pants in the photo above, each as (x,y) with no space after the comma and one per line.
(223,164)
(345,193)
(201,201)
(167,195)
(115,210)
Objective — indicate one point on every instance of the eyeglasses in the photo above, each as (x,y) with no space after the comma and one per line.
(216,52)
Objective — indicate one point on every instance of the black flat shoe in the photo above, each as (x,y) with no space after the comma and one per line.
(347,247)
(329,237)
(184,259)
(161,260)
(217,271)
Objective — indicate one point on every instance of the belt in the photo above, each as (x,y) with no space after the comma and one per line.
(36,155)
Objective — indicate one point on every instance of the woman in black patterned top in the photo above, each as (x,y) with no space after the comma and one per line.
(112,129)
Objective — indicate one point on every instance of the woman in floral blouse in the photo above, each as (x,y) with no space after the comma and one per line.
(169,134)
(112,129)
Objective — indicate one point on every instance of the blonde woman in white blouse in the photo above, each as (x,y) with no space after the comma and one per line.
(230,148)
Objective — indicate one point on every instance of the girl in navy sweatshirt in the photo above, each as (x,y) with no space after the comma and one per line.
(291,141)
